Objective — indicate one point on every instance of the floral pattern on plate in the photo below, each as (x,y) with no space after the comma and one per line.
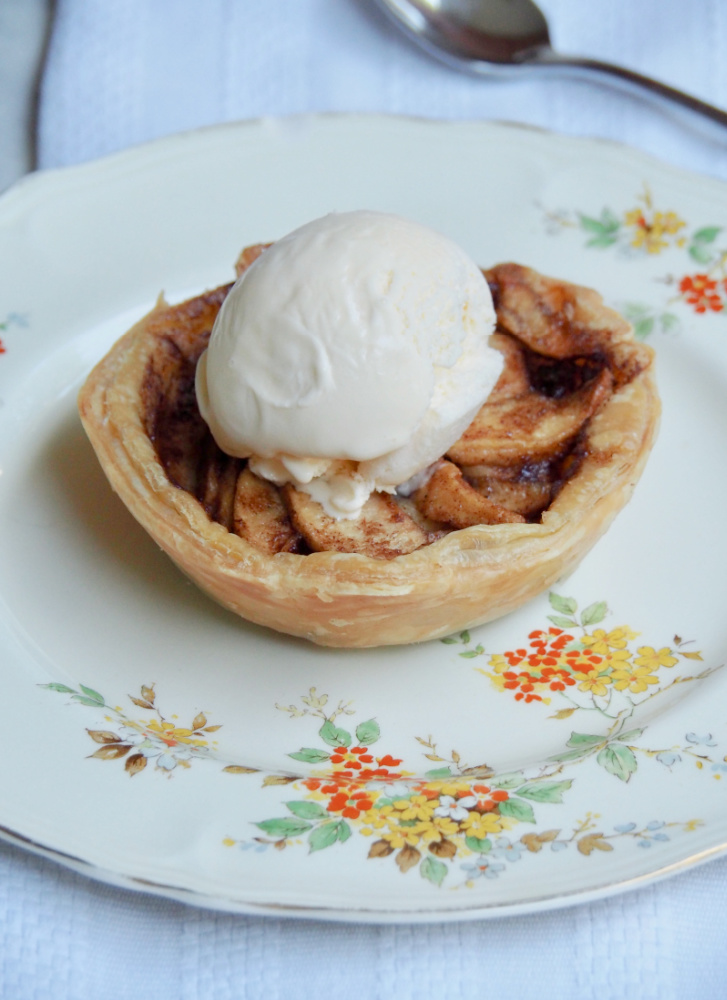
(155,739)
(468,817)
(455,815)
(643,229)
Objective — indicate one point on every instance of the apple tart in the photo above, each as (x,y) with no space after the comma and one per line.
(549,460)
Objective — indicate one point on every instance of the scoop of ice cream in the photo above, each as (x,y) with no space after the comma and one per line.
(349,357)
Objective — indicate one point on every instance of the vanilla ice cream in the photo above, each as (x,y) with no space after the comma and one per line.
(349,357)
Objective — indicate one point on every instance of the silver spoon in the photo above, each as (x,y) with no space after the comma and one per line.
(502,38)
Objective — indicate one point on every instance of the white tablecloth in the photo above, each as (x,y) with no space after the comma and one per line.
(123,71)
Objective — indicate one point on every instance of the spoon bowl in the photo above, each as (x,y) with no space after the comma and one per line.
(504,38)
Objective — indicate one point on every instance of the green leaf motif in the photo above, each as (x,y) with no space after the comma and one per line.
(517,809)
(465,636)
(61,688)
(471,653)
(594,613)
(601,242)
(643,327)
(618,760)
(91,697)
(449,641)
(438,773)
(584,740)
(707,235)
(545,791)
(367,733)
(480,845)
(607,225)
(630,736)
(700,253)
(284,827)
(324,836)
(310,755)
(564,605)
(307,810)
(344,831)
(334,736)
(508,781)
(562,622)
(433,870)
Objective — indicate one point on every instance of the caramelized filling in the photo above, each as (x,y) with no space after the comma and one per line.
(528,439)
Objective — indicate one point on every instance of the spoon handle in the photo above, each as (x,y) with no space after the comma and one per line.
(627,79)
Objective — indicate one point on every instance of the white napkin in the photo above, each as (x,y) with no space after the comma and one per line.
(124,71)
(66,938)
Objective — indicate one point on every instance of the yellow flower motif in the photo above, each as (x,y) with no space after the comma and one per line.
(417,807)
(448,787)
(400,838)
(650,657)
(636,679)
(595,683)
(438,827)
(601,642)
(650,234)
(169,733)
(497,679)
(481,824)
(619,659)
(498,663)
(400,805)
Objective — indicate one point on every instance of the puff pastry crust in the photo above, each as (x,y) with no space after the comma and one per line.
(465,576)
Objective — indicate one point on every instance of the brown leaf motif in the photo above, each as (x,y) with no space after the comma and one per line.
(535,841)
(443,848)
(155,738)
(407,858)
(103,736)
(593,841)
(277,779)
(111,751)
(380,849)
(135,763)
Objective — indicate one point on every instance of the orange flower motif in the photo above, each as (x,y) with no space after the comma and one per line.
(350,806)
(700,291)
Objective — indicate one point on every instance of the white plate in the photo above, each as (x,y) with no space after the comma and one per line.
(158,742)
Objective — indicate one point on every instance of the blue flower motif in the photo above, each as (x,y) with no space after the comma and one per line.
(478,869)
(253,845)
(625,827)
(719,767)
(504,849)
(651,833)
(559,845)
(668,757)
(706,740)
